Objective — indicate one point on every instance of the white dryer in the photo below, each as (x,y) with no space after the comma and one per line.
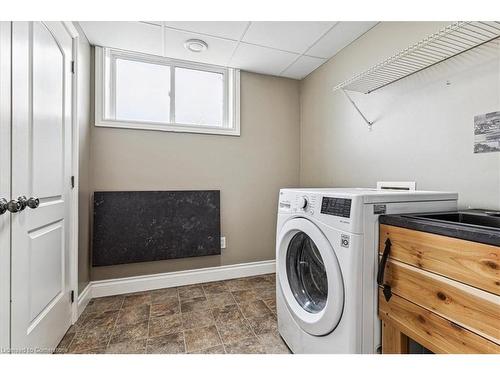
(326,261)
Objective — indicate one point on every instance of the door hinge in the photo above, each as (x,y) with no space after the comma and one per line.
(73,67)
(72,182)
(72,296)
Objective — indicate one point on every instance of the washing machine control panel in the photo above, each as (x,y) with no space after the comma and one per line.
(295,203)
(305,203)
(341,211)
(336,206)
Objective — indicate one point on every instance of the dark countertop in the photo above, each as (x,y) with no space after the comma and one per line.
(476,233)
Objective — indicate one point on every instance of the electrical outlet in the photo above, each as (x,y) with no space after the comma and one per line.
(223,242)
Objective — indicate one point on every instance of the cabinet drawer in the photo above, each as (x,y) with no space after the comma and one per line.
(462,304)
(431,330)
(469,262)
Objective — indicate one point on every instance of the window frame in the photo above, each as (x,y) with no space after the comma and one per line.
(105,98)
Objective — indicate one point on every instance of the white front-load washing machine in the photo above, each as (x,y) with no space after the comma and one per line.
(326,261)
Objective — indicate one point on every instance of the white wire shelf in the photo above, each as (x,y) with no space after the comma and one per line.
(451,41)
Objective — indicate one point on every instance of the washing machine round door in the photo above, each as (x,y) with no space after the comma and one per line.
(310,277)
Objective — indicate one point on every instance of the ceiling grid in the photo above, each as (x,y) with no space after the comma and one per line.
(290,49)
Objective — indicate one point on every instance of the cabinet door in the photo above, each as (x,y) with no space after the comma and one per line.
(41,157)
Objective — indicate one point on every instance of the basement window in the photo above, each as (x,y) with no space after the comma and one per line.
(139,91)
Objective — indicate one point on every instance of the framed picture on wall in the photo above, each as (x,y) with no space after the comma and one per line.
(487,132)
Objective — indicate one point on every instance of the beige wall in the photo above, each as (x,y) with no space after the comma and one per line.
(424,126)
(84,182)
(249,171)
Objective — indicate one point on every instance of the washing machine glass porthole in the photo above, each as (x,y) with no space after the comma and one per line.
(306,273)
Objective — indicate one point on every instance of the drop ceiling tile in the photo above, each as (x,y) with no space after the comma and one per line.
(133,36)
(261,59)
(219,51)
(344,33)
(288,36)
(302,67)
(224,29)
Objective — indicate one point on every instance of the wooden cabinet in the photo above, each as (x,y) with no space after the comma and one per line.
(445,293)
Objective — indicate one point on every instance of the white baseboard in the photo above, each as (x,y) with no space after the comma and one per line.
(172,279)
(84,298)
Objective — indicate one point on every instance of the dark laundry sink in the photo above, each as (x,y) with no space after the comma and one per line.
(489,219)
(472,225)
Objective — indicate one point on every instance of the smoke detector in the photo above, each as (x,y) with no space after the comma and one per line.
(195,45)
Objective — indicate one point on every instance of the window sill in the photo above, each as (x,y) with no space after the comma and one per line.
(176,128)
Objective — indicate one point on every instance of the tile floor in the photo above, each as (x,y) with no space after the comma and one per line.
(234,316)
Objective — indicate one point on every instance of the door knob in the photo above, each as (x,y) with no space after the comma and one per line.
(16,205)
(3,206)
(33,203)
(23,200)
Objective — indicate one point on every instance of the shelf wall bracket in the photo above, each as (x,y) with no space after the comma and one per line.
(368,122)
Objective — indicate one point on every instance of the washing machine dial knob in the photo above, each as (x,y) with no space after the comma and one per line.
(303,202)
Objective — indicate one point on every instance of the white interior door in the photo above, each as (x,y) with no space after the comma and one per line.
(5,43)
(41,157)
